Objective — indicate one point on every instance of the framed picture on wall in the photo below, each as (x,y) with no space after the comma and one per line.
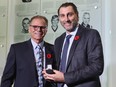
(26,1)
(25,24)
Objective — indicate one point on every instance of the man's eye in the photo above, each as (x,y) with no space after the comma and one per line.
(70,14)
(61,16)
(35,26)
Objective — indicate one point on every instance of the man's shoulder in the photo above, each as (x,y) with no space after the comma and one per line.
(88,30)
(61,36)
(48,44)
(93,31)
(19,44)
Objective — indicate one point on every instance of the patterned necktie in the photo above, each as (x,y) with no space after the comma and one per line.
(64,56)
(39,56)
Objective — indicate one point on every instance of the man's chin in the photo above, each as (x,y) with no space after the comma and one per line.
(68,28)
(39,39)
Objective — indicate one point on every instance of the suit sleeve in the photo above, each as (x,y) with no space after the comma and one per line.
(93,54)
(9,70)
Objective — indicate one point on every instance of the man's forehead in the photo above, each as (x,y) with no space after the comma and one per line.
(68,9)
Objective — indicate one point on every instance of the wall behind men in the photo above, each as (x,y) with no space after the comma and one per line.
(112,30)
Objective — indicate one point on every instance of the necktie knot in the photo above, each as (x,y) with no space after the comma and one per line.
(68,37)
(38,47)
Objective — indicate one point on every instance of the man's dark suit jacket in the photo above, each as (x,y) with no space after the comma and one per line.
(20,67)
(85,62)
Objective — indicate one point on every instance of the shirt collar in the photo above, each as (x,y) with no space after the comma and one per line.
(73,33)
(34,44)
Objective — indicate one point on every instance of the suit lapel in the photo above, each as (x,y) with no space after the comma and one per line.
(74,45)
(48,54)
(30,53)
(31,59)
(60,48)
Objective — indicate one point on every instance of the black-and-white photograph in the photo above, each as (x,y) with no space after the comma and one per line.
(26,0)
(54,22)
(86,20)
(25,25)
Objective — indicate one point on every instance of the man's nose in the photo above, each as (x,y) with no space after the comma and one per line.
(66,18)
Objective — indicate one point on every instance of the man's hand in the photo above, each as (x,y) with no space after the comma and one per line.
(57,77)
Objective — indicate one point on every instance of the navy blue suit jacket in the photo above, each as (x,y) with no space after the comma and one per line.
(20,68)
(85,62)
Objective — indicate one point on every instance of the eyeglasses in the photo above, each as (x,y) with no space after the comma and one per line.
(35,27)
